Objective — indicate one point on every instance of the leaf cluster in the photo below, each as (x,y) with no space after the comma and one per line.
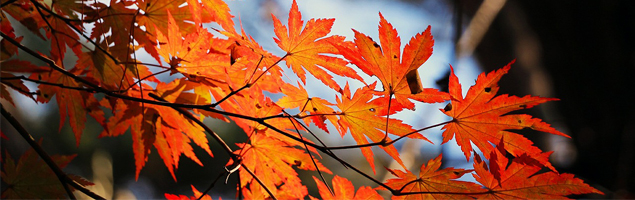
(225,74)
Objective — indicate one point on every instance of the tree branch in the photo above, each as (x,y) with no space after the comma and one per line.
(64,179)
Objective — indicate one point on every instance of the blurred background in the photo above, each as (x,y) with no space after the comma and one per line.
(582,52)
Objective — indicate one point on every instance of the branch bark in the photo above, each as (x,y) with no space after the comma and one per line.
(64,179)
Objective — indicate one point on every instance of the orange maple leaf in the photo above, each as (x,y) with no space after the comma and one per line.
(343,189)
(116,20)
(183,197)
(305,48)
(110,75)
(480,117)
(197,53)
(317,107)
(155,14)
(363,116)
(217,10)
(384,62)
(432,180)
(159,126)
(272,161)
(518,179)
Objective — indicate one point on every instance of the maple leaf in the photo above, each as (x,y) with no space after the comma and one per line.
(480,117)
(343,189)
(196,53)
(110,75)
(116,20)
(305,48)
(432,180)
(519,179)
(71,102)
(254,191)
(15,66)
(217,10)
(7,50)
(156,14)
(384,62)
(24,12)
(31,178)
(254,104)
(159,126)
(247,50)
(62,36)
(183,197)
(70,8)
(16,84)
(298,98)
(290,190)
(272,161)
(363,116)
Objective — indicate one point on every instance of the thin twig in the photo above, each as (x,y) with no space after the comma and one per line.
(259,181)
(211,186)
(21,77)
(247,85)
(218,139)
(306,148)
(189,115)
(64,179)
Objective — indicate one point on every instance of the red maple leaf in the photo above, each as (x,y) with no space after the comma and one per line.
(364,117)
(384,62)
(520,179)
(481,117)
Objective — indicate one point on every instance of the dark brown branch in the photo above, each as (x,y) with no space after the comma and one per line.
(48,83)
(7,3)
(64,179)
(68,22)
